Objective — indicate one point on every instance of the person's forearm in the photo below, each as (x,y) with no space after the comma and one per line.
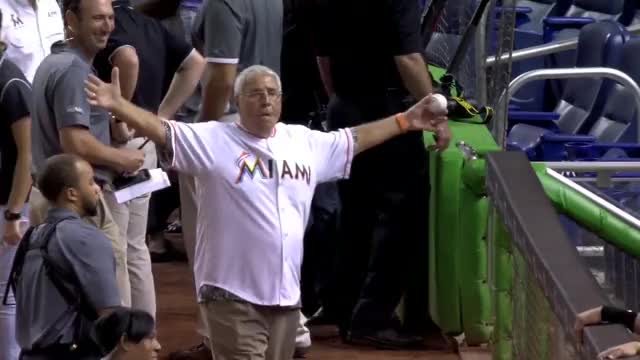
(375,133)
(21,182)
(86,146)
(215,98)
(324,65)
(414,74)
(120,133)
(182,86)
(126,60)
(217,89)
(143,122)
(128,80)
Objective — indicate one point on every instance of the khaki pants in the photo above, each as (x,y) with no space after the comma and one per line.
(131,219)
(242,331)
(103,221)
(136,284)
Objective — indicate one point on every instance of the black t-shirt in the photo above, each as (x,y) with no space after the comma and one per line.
(361,37)
(160,53)
(15,97)
(301,83)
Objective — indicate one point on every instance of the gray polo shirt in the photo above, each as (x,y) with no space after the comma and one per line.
(243,32)
(60,101)
(43,316)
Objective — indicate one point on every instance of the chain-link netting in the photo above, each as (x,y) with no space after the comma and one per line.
(546,282)
(445,42)
(537,332)
(617,273)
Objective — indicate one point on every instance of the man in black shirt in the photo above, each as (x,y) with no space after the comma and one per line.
(371,64)
(159,72)
(15,181)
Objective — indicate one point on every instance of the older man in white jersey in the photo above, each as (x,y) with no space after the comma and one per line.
(255,180)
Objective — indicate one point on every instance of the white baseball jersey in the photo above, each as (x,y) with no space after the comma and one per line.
(29,33)
(254,197)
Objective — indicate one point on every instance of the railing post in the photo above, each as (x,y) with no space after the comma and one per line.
(546,49)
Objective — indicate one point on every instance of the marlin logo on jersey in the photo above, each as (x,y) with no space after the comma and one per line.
(250,166)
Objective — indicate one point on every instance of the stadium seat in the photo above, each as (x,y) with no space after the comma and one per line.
(599,45)
(617,126)
(532,12)
(582,12)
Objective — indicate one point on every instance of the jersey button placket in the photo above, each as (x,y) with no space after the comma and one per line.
(280,198)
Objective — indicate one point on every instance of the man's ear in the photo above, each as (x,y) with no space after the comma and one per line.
(124,344)
(71,194)
(71,21)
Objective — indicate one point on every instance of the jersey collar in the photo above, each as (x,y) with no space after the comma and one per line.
(273,132)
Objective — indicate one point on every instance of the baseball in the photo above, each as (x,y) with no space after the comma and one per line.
(438,104)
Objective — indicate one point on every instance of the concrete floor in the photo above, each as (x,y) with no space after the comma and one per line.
(176,323)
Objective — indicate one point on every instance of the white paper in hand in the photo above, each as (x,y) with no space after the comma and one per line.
(158,181)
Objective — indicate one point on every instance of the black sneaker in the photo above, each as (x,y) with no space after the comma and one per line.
(385,339)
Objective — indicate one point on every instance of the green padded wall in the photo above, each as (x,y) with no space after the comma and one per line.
(459,293)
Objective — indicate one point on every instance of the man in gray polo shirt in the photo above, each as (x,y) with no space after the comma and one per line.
(232,35)
(63,120)
(49,324)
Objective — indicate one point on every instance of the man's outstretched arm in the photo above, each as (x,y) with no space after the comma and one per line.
(417,118)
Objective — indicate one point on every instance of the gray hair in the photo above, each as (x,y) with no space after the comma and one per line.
(249,73)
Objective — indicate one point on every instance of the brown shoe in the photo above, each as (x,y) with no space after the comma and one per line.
(198,352)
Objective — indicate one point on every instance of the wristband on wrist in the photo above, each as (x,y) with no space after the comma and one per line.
(11,216)
(402,122)
(619,316)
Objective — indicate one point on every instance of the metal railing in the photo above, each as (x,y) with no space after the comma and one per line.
(591,166)
(616,211)
(546,49)
(549,283)
(500,124)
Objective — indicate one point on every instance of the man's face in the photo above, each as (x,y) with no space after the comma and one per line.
(93,24)
(260,103)
(87,190)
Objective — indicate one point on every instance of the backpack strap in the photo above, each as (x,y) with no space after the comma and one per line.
(60,278)
(16,266)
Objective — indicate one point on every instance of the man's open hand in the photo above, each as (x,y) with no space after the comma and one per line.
(420,116)
(102,94)
(586,318)
(12,233)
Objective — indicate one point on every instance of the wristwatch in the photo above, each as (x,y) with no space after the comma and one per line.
(10,216)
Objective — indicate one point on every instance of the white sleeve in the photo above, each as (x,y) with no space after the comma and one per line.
(333,153)
(190,147)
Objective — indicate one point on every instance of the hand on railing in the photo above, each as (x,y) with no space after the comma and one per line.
(621,351)
(586,318)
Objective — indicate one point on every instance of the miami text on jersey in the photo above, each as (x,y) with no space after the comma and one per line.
(250,166)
